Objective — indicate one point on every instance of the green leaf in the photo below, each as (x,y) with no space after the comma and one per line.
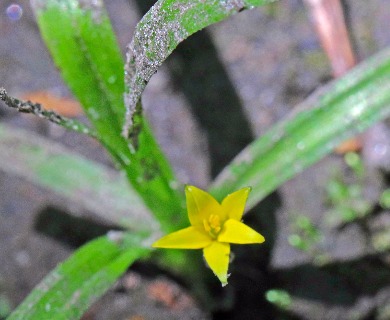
(159,32)
(93,72)
(334,113)
(99,189)
(80,38)
(68,291)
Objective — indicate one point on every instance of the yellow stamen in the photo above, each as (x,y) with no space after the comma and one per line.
(212,225)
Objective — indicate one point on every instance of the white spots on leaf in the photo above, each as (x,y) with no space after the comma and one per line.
(131,148)
(139,180)
(93,114)
(155,38)
(174,185)
(115,236)
(112,79)
(125,159)
(233,4)
(301,146)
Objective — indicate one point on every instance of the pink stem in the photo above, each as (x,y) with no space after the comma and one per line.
(328,19)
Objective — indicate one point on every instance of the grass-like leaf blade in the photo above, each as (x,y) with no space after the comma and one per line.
(159,32)
(334,113)
(68,291)
(80,38)
(84,182)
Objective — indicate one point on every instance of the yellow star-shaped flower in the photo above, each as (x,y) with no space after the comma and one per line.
(214,226)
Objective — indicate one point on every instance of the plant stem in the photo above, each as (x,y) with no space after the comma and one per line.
(38,110)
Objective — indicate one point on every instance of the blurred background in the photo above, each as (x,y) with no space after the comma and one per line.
(328,229)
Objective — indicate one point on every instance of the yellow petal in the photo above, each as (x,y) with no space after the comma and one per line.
(234,231)
(217,257)
(200,205)
(188,238)
(234,203)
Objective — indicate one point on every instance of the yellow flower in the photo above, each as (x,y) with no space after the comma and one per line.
(214,226)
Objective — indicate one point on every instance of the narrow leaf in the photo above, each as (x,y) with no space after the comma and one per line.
(159,32)
(80,38)
(334,113)
(99,189)
(68,291)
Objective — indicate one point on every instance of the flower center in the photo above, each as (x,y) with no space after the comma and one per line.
(212,225)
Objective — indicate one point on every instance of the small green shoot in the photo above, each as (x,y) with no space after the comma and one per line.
(306,235)
(279,298)
(354,161)
(346,197)
(384,199)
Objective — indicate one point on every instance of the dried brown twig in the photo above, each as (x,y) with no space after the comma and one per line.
(38,110)
(329,22)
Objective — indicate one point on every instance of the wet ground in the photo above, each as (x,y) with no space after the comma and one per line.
(229,83)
